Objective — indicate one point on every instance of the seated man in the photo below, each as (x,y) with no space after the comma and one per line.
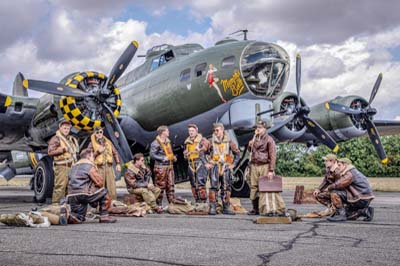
(85,187)
(322,195)
(351,191)
(138,182)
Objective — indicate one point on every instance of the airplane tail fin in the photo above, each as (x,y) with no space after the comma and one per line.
(18,89)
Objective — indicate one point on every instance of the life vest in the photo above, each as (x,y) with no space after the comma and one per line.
(106,156)
(71,145)
(221,150)
(192,147)
(166,148)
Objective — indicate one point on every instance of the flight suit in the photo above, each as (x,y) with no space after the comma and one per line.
(162,154)
(224,153)
(64,152)
(324,196)
(197,172)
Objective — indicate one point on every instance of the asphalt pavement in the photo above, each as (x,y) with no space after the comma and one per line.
(204,240)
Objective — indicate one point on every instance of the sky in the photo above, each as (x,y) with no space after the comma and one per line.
(344,44)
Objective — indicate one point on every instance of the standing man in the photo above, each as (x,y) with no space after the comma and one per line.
(63,148)
(161,152)
(138,182)
(105,154)
(224,157)
(351,194)
(195,146)
(321,194)
(86,187)
(262,162)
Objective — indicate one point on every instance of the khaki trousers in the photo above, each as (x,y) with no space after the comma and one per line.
(148,195)
(60,182)
(255,172)
(107,172)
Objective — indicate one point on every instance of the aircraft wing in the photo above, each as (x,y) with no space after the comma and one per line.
(387,127)
(16,114)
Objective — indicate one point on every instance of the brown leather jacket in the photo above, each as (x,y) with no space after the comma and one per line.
(354,183)
(263,151)
(330,177)
(59,152)
(137,177)
(84,178)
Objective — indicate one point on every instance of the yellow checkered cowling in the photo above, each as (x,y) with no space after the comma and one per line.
(71,111)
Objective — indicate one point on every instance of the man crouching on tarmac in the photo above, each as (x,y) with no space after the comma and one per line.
(224,157)
(351,194)
(86,187)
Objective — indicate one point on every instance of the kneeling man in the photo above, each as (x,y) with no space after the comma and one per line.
(86,187)
(351,194)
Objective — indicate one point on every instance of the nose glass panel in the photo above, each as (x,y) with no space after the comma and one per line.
(265,68)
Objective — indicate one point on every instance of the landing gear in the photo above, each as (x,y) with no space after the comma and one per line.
(240,188)
(43,180)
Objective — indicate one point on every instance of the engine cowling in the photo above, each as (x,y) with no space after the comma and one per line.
(292,130)
(341,126)
(85,112)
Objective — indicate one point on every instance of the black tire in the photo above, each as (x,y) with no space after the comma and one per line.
(43,180)
(239,187)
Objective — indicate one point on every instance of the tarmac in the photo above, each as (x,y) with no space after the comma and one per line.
(204,240)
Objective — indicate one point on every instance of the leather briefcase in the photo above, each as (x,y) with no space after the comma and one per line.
(270,185)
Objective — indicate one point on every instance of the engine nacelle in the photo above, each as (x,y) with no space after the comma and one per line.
(340,126)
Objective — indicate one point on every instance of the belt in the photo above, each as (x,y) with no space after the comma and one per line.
(162,164)
(64,163)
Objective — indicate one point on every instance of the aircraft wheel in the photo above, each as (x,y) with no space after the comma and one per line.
(240,188)
(43,180)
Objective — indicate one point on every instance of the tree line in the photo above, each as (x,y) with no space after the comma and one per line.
(297,160)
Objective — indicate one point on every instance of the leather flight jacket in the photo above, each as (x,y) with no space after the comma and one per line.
(331,175)
(137,177)
(354,183)
(84,178)
(158,154)
(263,151)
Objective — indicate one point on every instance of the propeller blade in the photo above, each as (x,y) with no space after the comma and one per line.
(112,127)
(298,78)
(122,63)
(279,124)
(265,112)
(341,108)
(320,133)
(53,88)
(375,89)
(376,141)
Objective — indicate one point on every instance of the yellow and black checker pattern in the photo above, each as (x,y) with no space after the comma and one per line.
(72,113)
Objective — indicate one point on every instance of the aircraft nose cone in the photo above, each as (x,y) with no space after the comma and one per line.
(265,68)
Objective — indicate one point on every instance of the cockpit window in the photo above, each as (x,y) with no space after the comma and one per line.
(185,75)
(159,61)
(228,62)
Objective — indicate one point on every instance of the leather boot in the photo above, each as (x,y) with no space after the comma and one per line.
(339,216)
(227,208)
(194,194)
(369,214)
(203,194)
(213,204)
(255,210)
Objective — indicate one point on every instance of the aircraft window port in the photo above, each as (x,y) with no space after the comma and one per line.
(154,63)
(185,75)
(200,69)
(18,106)
(228,62)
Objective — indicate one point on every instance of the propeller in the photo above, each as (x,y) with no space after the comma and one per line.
(111,123)
(364,116)
(301,113)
